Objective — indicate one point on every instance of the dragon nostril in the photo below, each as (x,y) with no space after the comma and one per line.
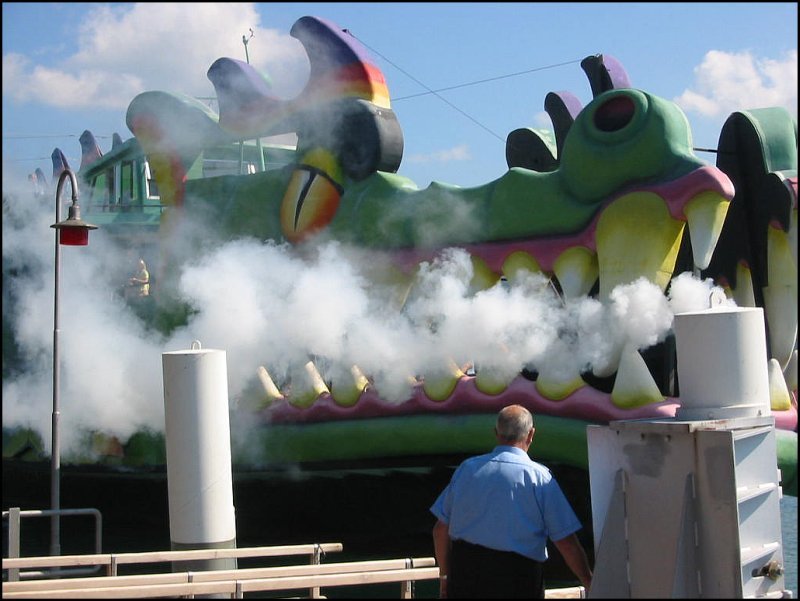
(614,114)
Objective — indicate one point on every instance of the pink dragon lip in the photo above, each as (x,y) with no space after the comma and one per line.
(586,403)
(675,194)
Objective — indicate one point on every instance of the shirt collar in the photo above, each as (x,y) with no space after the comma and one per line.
(503,448)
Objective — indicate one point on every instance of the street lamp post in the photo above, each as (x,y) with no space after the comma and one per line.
(70,232)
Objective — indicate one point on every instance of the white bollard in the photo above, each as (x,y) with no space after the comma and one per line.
(199,480)
(722,364)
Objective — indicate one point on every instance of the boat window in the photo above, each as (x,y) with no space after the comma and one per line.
(99,192)
(110,198)
(214,167)
(127,194)
(150,181)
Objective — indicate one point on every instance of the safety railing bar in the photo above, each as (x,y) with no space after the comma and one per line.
(14,514)
(55,573)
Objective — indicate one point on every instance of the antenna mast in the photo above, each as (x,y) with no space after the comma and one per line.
(261,162)
(245,40)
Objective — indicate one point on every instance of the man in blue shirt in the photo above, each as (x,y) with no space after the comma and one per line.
(495,516)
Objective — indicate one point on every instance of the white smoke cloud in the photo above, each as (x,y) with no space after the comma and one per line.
(274,305)
(107,69)
(727,82)
(108,365)
(687,293)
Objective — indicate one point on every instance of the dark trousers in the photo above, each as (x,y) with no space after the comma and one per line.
(478,572)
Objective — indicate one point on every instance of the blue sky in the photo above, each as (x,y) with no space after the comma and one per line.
(74,66)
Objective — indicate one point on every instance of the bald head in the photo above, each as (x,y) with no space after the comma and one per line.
(514,425)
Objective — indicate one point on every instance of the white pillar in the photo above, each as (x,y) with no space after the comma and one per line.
(199,480)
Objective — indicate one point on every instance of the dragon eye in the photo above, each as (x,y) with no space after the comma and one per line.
(309,204)
(614,114)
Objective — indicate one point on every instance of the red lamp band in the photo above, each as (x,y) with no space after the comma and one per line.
(74,236)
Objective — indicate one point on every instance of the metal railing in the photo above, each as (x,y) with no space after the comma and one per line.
(14,515)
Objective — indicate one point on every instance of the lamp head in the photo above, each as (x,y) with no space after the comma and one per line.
(72,231)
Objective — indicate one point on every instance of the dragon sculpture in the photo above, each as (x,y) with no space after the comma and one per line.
(614,195)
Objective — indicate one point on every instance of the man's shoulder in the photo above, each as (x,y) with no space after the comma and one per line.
(475,462)
(477,459)
(524,461)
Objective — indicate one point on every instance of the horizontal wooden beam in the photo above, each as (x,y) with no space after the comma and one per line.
(48,561)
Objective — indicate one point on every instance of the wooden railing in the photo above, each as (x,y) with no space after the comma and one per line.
(232,582)
(112,561)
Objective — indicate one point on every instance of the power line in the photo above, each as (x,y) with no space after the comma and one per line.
(480,81)
(36,136)
(33,159)
(443,99)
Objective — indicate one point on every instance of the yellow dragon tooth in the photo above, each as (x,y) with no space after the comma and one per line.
(271,391)
(780,296)
(439,386)
(576,270)
(307,386)
(743,294)
(705,216)
(518,261)
(347,390)
(557,387)
(779,399)
(790,372)
(391,282)
(483,278)
(611,362)
(317,383)
(634,386)
(492,382)
(636,236)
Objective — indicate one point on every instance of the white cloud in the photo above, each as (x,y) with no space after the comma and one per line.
(727,82)
(457,153)
(63,89)
(128,49)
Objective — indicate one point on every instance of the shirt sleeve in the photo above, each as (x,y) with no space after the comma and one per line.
(443,504)
(442,508)
(558,513)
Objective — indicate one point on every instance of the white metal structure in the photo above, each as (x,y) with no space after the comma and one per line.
(689,508)
(686,509)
